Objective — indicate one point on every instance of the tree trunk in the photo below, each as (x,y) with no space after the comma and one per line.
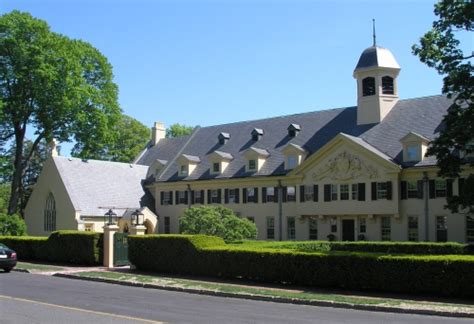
(17,174)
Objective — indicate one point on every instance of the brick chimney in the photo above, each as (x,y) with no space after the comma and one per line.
(158,131)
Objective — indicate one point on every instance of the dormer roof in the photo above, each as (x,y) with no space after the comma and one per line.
(256,151)
(377,57)
(412,136)
(190,158)
(292,148)
(222,155)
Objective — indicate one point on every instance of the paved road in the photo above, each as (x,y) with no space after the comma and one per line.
(29,298)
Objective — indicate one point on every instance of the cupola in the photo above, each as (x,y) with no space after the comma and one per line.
(257,134)
(223,138)
(293,130)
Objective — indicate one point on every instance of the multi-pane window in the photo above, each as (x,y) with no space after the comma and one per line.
(334,192)
(183,170)
(50,214)
(333,223)
(215,199)
(413,228)
(233,194)
(291,228)
(387,85)
(216,167)
(167,225)
(313,229)
(412,152)
(181,197)
(198,198)
(344,192)
(308,193)
(440,188)
(362,225)
(270,227)
(412,189)
(292,162)
(469,229)
(251,195)
(291,194)
(386,228)
(441,229)
(167,197)
(270,195)
(252,165)
(381,190)
(355,191)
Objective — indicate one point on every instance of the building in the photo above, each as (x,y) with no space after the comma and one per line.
(356,173)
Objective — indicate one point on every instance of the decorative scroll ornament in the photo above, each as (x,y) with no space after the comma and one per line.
(345,166)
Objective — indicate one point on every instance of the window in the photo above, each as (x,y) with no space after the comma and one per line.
(313,229)
(355,191)
(333,223)
(89,227)
(412,152)
(167,198)
(215,199)
(292,162)
(412,189)
(233,193)
(50,214)
(381,190)
(362,225)
(181,199)
(216,167)
(270,194)
(252,165)
(291,228)
(334,192)
(198,197)
(308,193)
(440,188)
(368,86)
(183,170)
(413,228)
(387,85)
(470,229)
(386,228)
(252,195)
(344,192)
(441,229)
(167,225)
(291,194)
(270,227)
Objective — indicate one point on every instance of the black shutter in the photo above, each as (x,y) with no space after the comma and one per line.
(162,197)
(315,193)
(301,193)
(361,191)
(171,198)
(264,194)
(275,194)
(219,194)
(176,195)
(449,187)
(460,187)
(374,190)
(327,192)
(226,196)
(186,197)
(403,191)
(202,196)
(237,194)
(244,195)
(192,197)
(209,196)
(284,194)
(432,189)
(420,189)
(389,190)
(255,197)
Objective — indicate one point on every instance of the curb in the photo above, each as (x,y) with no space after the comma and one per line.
(283,300)
(21,270)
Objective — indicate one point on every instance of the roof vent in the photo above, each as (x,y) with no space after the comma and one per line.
(257,133)
(293,130)
(223,138)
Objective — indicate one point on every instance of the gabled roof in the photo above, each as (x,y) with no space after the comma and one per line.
(257,151)
(413,135)
(421,115)
(224,155)
(94,184)
(191,158)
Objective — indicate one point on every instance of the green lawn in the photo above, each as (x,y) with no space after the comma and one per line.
(37,267)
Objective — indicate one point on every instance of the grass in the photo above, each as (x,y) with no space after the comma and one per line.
(37,267)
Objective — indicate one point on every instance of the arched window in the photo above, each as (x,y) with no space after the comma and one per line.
(387,85)
(368,86)
(50,214)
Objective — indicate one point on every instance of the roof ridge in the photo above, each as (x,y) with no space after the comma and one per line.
(97,161)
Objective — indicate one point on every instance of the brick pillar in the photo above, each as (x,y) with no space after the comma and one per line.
(109,231)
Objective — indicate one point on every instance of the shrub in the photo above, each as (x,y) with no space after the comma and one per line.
(12,225)
(218,221)
(440,275)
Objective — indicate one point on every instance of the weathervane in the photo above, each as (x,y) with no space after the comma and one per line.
(373,31)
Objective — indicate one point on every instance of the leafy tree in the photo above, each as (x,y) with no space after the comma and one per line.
(440,48)
(59,87)
(177,130)
(12,225)
(4,196)
(217,221)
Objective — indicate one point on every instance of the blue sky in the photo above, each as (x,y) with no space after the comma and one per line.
(212,62)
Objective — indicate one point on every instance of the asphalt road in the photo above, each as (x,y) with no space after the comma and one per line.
(29,298)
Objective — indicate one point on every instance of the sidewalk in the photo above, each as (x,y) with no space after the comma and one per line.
(265,292)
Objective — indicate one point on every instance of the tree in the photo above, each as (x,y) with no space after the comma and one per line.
(440,49)
(217,221)
(177,130)
(59,87)
(12,225)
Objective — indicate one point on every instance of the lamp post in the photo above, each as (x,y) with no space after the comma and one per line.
(109,217)
(137,217)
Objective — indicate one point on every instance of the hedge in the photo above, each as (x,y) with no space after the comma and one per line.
(75,247)
(205,256)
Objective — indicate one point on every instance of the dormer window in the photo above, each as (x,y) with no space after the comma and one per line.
(219,161)
(414,147)
(216,167)
(187,164)
(412,152)
(255,158)
(293,130)
(292,162)
(252,165)
(223,138)
(183,170)
(368,86)
(294,155)
(257,134)
(387,85)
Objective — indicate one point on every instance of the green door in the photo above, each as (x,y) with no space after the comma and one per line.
(121,249)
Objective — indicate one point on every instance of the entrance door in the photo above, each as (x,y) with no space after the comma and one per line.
(348,230)
(121,249)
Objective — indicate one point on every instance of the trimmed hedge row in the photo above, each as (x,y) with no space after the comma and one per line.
(205,256)
(74,247)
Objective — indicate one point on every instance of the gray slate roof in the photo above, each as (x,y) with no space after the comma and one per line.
(376,56)
(93,184)
(420,115)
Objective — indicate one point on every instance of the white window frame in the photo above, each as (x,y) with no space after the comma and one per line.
(313,229)
(249,165)
(291,231)
(385,228)
(334,192)
(413,232)
(232,196)
(291,161)
(167,196)
(197,197)
(441,188)
(381,190)
(183,170)
(270,226)
(344,189)
(412,152)
(270,194)
(412,187)
(291,192)
(308,193)
(181,197)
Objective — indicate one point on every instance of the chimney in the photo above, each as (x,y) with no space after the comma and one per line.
(158,131)
(53,148)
